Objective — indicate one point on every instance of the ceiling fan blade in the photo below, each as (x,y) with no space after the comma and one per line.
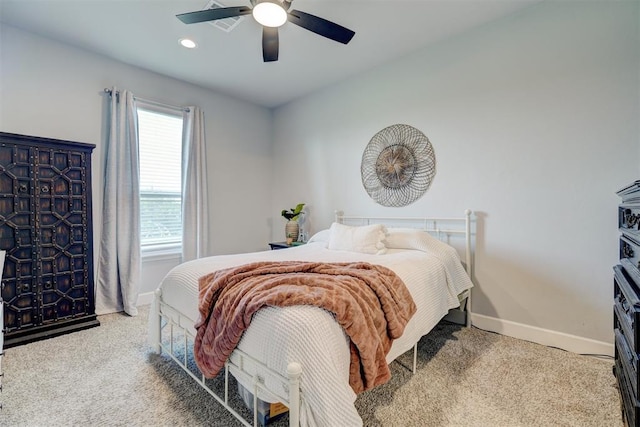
(213,14)
(321,26)
(270,45)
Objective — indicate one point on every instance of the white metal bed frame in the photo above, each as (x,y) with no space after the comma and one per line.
(240,362)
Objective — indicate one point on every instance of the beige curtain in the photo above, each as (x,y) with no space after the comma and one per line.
(119,260)
(195,230)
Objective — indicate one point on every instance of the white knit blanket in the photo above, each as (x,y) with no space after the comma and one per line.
(310,336)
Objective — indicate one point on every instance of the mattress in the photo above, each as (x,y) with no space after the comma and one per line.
(310,335)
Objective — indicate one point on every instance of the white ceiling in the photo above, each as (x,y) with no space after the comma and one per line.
(145,33)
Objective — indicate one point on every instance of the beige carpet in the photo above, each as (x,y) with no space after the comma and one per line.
(106,376)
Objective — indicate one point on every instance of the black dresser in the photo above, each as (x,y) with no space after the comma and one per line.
(626,308)
(46,231)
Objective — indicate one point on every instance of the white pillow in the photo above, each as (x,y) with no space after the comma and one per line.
(366,239)
(414,238)
(320,236)
(404,238)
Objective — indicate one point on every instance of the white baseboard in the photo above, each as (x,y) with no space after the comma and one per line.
(572,343)
(145,299)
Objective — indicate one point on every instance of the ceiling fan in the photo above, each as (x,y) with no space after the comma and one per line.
(273,14)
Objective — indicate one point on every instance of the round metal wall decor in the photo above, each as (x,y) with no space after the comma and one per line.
(398,166)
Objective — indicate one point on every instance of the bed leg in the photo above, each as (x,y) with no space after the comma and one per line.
(468,266)
(156,327)
(415,357)
(295,371)
(255,401)
(468,310)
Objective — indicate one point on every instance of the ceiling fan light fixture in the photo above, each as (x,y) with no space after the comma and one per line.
(269,13)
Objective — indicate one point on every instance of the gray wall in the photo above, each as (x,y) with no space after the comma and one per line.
(534,121)
(55,90)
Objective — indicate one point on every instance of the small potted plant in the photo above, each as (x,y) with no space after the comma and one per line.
(292,229)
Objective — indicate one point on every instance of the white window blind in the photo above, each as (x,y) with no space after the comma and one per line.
(160,178)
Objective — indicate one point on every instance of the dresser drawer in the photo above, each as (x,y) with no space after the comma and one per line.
(630,249)
(628,360)
(626,304)
(629,399)
(626,325)
(629,217)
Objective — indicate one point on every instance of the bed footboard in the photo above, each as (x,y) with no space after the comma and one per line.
(170,333)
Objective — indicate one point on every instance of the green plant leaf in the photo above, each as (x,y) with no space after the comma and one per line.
(292,213)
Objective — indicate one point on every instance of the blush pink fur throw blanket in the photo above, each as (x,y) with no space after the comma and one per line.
(370,302)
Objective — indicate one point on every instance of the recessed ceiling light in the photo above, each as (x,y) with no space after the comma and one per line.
(188,43)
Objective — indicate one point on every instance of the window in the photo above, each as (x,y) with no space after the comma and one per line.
(160,150)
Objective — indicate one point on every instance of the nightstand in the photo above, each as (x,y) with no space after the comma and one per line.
(283,245)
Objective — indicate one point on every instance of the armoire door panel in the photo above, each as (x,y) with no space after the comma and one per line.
(17,237)
(63,219)
(20,300)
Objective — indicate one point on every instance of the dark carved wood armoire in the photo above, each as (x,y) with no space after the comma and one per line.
(46,231)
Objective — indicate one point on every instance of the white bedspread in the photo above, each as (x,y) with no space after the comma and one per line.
(310,336)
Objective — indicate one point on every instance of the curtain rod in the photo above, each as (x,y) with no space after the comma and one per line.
(149,101)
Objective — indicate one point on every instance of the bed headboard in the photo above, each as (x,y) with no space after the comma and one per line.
(445,229)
